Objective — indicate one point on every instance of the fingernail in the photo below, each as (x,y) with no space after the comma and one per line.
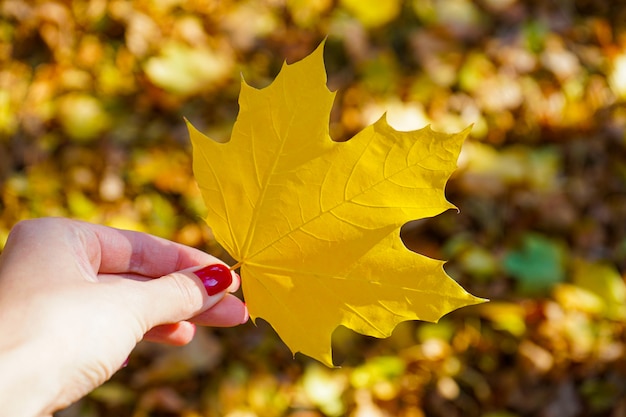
(215,278)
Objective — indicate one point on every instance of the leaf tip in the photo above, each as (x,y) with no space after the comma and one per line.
(314,64)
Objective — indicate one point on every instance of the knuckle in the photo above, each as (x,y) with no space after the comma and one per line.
(187,291)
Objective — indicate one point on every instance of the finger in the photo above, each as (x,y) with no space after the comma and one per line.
(125,251)
(234,286)
(230,311)
(176,334)
(97,248)
(177,296)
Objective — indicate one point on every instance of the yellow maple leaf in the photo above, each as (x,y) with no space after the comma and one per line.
(315,224)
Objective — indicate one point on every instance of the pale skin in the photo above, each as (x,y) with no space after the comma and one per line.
(76,298)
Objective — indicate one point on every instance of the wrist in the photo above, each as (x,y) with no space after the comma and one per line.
(27,387)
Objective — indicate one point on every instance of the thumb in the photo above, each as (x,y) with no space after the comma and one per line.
(184,294)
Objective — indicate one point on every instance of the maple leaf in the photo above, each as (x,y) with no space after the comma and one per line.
(315,224)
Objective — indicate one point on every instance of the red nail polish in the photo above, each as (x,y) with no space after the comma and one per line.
(215,278)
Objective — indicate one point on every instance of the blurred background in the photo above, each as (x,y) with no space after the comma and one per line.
(92,99)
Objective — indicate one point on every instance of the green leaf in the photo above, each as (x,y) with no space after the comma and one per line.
(537,264)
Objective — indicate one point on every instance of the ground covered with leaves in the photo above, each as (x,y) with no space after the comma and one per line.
(92,99)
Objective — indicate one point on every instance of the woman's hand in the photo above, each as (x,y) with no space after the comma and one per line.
(75,298)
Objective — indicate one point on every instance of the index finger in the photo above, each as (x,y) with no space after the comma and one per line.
(54,243)
(126,251)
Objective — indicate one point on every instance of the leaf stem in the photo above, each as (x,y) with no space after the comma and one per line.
(237,265)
